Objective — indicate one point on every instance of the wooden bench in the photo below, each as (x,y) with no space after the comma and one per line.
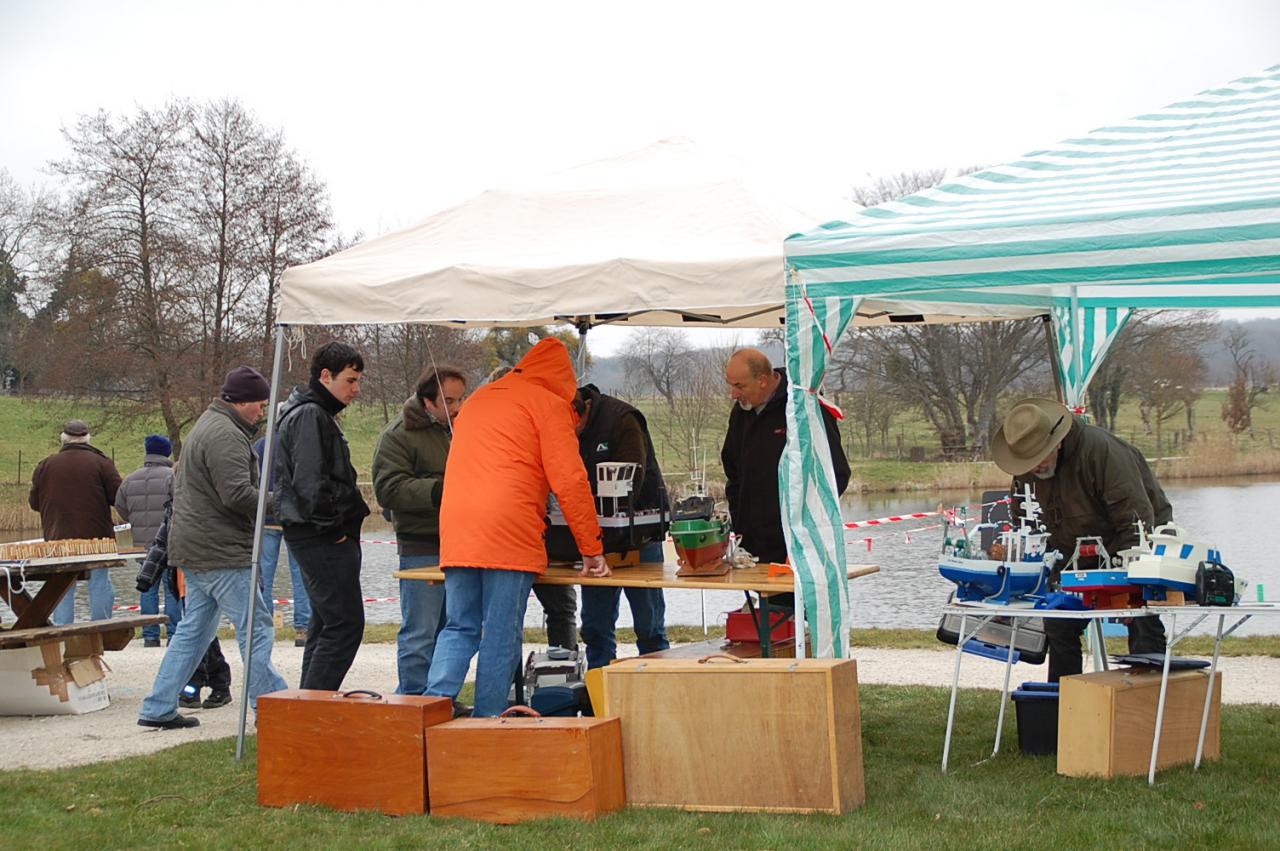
(116,632)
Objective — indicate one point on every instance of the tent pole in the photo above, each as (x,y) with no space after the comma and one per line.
(1052,341)
(259,521)
(1077,356)
(584,325)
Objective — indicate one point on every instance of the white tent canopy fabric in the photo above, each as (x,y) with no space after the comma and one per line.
(1175,209)
(667,235)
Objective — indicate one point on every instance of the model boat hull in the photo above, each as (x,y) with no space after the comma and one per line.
(1171,563)
(993,581)
(700,542)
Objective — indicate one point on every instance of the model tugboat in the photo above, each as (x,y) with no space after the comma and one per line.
(1103,582)
(994,562)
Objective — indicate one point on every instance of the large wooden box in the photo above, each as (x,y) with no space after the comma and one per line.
(739,735)
(1107,721)
(349,751)
(508,770)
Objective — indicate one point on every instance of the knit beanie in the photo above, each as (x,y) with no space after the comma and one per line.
(158,444)
(245,384)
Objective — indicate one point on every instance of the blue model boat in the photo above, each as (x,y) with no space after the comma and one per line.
(994,562)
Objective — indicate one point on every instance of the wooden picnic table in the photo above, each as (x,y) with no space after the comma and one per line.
(59,575)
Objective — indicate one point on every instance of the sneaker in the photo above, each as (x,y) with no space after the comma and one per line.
(300,637)
(461,710)
(216,699)
(190,697)
(177,722)
(150,642)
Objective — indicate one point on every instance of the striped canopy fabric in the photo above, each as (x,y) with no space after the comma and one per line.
(1178,208)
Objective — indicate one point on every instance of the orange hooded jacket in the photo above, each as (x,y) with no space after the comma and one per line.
(513,443)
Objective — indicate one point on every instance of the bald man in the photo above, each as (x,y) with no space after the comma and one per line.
(753,450)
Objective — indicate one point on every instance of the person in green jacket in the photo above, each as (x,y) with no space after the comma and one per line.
(1088,483)
(408,480)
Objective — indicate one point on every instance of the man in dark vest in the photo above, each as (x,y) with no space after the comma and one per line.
(611,430)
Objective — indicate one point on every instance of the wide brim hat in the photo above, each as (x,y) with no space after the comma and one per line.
(1033,429)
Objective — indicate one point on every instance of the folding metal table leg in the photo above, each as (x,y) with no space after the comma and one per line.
(1004,691)
(1164,689)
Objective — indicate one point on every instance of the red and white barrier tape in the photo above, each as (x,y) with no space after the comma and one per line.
(283,601)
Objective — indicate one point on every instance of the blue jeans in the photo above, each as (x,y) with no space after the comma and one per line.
(150,604)
(421,619)
(102,597)
(211,593)
(485,610)
(600,616)
(271,540)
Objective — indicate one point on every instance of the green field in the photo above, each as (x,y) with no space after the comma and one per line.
(196,795)
(29,431)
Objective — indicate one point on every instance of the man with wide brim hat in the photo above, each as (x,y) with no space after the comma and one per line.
(1088,483)
(1030,434)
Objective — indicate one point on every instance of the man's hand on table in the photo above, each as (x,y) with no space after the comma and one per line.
(595,566)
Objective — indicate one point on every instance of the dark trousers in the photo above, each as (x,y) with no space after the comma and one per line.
(1146,635)
(560,604)
(331,573)
(213,672)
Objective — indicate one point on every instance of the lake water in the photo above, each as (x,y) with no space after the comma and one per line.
(908,592)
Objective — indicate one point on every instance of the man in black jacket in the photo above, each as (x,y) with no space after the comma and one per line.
(752,452)
(321,510)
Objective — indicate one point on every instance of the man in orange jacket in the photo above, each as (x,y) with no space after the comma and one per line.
(513,444)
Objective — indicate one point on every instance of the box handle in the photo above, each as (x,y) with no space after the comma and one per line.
(713,656)
(518,710)
(362,692)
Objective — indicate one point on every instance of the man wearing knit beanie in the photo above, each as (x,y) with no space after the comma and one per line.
(140,501)
(215,502)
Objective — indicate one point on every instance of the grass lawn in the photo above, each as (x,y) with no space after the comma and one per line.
(196,795)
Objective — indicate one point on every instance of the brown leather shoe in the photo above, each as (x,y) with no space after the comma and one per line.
(300,637)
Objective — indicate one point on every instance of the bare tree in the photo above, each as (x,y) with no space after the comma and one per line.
(1251,380)
(658,359)
(128,190)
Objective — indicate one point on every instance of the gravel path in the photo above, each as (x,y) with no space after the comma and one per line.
(112,733)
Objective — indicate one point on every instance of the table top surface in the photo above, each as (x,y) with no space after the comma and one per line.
(37,567)
(1028,611)
(655,575)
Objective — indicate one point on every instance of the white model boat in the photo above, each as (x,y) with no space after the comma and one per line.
(1168,561)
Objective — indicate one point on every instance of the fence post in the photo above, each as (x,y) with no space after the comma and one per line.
(19,466)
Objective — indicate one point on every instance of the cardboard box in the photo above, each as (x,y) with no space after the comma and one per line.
(508,770)
(1107,721)
(723,734)
(53,678)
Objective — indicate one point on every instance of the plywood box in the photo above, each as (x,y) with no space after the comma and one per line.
(739,735)
(1107,721)
(508,770)
(349,751)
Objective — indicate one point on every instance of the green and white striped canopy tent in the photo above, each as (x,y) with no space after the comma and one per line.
(1173,209)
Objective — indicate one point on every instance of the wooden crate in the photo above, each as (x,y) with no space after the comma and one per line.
(739,735)
(507,770)
(1107,721)
(350,753)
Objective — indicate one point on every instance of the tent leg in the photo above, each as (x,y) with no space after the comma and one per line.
(583,327)
(1052,342)
(255,567)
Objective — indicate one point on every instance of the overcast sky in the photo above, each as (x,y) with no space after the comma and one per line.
(406,108)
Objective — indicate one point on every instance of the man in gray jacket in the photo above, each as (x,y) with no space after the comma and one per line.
(140,502)
(215,499)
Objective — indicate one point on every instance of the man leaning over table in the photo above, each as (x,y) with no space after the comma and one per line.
(513,444)
(1088,483)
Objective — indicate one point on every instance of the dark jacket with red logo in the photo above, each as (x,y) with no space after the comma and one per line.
(751,456)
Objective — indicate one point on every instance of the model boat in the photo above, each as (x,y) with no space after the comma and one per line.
(1167,561)
(702,545)
(995,562)
(1103,582)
